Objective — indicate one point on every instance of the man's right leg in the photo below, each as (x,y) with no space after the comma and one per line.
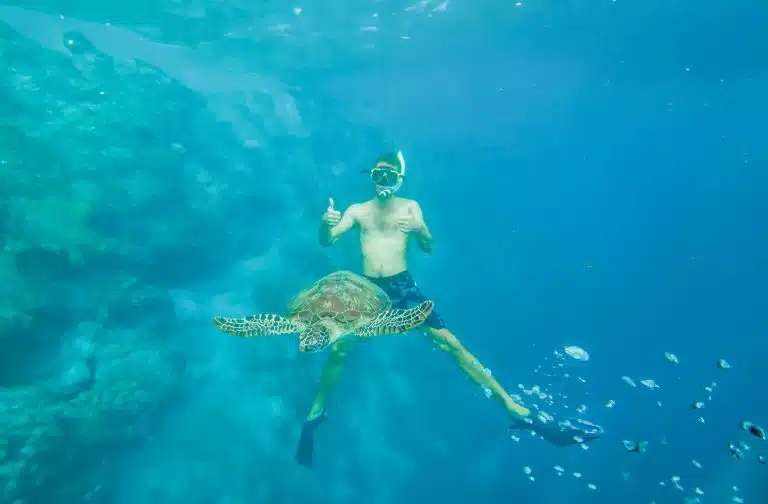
(328,380)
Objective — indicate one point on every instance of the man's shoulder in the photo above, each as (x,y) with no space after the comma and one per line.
(405,202)
(362,205)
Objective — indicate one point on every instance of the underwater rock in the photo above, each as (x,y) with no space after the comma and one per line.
(136,304)
(109,395)
(76,42)
(105,213)
(46,264)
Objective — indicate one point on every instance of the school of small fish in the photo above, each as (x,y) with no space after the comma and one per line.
(554,375)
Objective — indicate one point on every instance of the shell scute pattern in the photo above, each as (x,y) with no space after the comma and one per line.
(343,297)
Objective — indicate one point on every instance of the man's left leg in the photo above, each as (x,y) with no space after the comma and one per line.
(560,433)
(450,344)
(404,292)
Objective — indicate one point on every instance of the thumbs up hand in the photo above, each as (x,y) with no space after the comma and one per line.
(409,222)
(331,217)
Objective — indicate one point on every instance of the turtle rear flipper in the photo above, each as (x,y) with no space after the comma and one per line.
(396,321)
(255,325)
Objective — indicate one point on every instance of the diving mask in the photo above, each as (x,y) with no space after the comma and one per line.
(388,176)
(385,175)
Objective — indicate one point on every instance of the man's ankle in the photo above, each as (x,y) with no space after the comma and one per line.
(315,413)
(518,412)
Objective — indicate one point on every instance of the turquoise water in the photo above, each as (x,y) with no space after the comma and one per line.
(594,174)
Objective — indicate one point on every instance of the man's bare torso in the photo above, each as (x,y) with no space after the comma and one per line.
(384,246)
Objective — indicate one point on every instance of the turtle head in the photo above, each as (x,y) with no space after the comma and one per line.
(314,339)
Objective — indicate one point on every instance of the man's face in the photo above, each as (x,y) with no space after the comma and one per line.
(385,175)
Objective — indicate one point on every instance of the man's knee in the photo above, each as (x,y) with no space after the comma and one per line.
(444,339)
(339,351)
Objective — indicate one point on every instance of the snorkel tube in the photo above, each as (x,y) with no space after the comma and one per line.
(386,191)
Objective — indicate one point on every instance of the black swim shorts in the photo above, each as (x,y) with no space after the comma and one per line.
(404,292)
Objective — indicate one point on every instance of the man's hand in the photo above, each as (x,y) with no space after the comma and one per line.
(331,217)
(334,224)
(409,222)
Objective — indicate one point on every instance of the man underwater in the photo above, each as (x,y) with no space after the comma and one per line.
(386,222)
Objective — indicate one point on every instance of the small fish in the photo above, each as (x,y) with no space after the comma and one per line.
(723,364)
(651,384)
(734,451)
(629,381)
(697,405)
(577,353)
(753,429)
(670,357)
(761,459)
(635,446)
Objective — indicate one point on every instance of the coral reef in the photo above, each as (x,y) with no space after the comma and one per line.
(99,199)
(135,189)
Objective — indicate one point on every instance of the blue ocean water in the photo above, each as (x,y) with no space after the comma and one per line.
(594,174)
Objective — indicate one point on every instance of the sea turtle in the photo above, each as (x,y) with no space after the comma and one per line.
(337,305)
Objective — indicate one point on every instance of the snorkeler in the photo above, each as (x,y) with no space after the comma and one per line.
(386,222)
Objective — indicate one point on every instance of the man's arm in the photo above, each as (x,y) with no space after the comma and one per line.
(422,234)
(330,234)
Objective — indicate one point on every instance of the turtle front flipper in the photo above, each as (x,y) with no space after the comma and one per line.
(255,325)
(396,321)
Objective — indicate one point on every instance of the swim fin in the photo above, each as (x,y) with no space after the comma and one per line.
(573,431)
(566,432)
(307,440)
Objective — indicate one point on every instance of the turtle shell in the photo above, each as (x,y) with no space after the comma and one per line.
(343,296)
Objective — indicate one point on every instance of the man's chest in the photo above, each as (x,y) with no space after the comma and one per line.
(378,221)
